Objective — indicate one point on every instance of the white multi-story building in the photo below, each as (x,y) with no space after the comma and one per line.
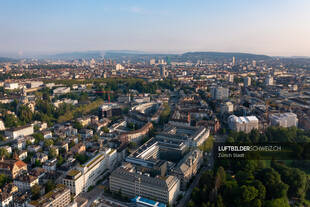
(283,119)
(242,123)
(61,90)
(11,86)
(231,78)
(119,67)
(86,175)
(19,131)
(269,80)
(34,84)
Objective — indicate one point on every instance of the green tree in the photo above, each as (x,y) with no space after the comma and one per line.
(52,153)
(4,153)
(48,143)
(279,202)
(271,179)
(248,193)
(35,192)
(3,180)
(220,202)
(38,137)
(10,121)
(25,114)
(49,186)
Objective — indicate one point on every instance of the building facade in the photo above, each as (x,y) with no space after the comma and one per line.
(59,197)
(19,132)
(80,179)
(242,123)
(131,183)
(283,119)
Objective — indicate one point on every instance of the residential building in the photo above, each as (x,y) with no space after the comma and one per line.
(25,182)
(137,135)
(19,131)
(227,107)
(58,197)
(188,167)
(87,175)
(283,119)
(78,148)
(6,199)
(219,93)
(11,86)
(61,90)
(12,168)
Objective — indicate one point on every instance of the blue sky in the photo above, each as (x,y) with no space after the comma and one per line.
(274,27)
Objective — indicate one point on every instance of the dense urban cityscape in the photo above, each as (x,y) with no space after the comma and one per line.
(154,103)
(138,129)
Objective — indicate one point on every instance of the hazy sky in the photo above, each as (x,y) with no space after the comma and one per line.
(273,27)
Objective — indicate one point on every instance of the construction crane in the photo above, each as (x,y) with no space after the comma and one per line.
(105,92)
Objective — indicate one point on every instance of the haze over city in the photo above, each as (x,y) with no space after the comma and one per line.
(276,28)
(157,103)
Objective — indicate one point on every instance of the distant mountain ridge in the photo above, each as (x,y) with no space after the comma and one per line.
(74,55)
(223,55)
(6,59)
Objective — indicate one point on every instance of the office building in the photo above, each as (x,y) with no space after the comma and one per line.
(131,183)
(242,123)
(283,119)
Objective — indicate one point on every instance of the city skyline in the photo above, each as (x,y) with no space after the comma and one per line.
(275,28)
